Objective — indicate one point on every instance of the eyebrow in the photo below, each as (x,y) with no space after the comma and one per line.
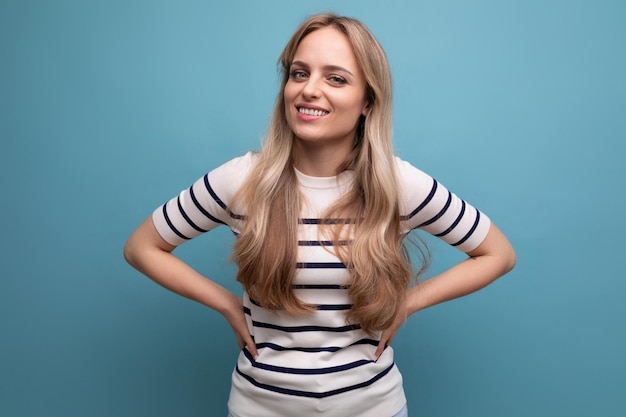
(326,67)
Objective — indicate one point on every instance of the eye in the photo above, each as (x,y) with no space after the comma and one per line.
(297,75)
(335,79)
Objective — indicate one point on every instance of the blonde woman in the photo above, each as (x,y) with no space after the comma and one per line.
(321,214)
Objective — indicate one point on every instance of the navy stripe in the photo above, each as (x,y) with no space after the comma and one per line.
(299,329)
(191,223)
(171,225)
(424,203)
(321,242)
(438,215)
(219,200)
(455,223)
(309,394)
(305,371)
(320,307)
(279,348)
(201,209)
(315,243)
(320,265)
(319,287)
(333,307)
(325,221)
(365,342)
(213,193)
(247,311)
(474,226)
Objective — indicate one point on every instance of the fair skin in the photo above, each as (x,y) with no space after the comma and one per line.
(324,98)
(151,255)
(325,76)
(493,258)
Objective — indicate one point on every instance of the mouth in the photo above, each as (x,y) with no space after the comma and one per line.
(312,112)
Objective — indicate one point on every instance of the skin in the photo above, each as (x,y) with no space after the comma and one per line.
(493,258)
(151,255)
(325,76)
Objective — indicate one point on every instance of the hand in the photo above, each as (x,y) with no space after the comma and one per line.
(389,333)
(237,320)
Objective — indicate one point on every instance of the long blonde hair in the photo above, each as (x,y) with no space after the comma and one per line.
(377,261)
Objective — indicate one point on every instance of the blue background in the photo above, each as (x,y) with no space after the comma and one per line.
(107,109)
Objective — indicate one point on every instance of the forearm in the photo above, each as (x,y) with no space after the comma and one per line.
(149,254)
(170,272)
(492,259)
(464,278)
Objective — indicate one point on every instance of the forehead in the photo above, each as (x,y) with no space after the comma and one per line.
(326,46)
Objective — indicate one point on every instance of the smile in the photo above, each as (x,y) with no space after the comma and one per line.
(312,112)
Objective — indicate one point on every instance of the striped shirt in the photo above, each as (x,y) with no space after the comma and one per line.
(316,364)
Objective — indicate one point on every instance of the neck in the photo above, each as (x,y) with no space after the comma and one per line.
(319,161)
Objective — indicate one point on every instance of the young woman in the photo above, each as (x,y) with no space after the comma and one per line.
(321,214)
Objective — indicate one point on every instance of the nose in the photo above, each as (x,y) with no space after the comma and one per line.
(311,88)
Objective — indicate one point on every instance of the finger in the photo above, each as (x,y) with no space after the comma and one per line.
(381,346)
(251,346)
(243,338)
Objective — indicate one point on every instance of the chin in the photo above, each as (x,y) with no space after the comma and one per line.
(307,136)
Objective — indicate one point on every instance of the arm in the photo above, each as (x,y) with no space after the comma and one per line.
(493,258)
(146,251)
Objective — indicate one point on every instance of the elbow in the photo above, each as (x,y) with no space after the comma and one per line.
(128,253)
(510,264)
(143,245)
(509,259)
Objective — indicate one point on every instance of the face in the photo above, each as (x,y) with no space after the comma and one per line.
(325,93)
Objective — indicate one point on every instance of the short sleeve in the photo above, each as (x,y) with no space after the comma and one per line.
(204,205)
(429,206)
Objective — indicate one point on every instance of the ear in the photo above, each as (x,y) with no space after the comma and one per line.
(366,109)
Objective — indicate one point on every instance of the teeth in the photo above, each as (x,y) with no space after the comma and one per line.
(312,112)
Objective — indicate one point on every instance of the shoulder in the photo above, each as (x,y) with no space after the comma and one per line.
(223,182)
(412,181)
(239,166)
(418,192)
(427,204)
(234,172)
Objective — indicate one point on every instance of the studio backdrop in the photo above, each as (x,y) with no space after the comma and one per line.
(109,108)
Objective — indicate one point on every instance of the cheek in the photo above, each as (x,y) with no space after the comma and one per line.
(287,99)
(353,107)
(352,102)
(288,104)
(289,92)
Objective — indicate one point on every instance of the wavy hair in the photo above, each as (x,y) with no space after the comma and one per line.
(377,260)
